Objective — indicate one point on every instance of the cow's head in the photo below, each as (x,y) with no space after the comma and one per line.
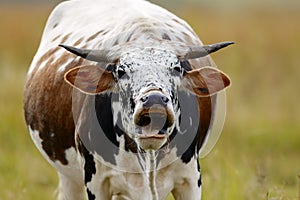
(147,81)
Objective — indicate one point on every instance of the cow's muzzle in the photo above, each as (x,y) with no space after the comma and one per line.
(154,115)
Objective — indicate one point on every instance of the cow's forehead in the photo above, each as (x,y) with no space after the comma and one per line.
(149,57)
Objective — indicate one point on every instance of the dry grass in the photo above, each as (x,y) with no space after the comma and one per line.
(257,156)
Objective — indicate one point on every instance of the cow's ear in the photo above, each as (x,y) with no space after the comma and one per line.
(90,79)
(206,81)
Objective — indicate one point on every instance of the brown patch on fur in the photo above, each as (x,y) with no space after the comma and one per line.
(46,56)
(186,36)
(169,25)
(65,38)
(54,39)
(176,21)
(78,42)
(205,110)
(206,104)
(95,35)
(48,106)
(179,39)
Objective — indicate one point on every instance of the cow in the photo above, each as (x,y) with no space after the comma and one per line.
(121,98)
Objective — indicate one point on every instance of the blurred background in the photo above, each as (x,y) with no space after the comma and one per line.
(258,153)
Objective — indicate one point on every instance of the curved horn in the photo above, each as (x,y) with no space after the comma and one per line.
(200,51)
(92,55)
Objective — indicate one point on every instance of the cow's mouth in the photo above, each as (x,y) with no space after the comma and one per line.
(153,123)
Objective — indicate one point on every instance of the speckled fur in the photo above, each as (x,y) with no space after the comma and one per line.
(141,76)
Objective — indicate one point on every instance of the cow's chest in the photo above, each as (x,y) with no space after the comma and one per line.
(128,179)
(121,185)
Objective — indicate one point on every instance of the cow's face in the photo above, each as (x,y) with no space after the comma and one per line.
(147,82)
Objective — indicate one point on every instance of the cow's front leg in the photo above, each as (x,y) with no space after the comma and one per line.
(187,192)
(69,189)
(89,171)
(190,186)
(92,185)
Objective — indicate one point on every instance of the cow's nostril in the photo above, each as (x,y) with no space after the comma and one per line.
(165,99)
(144,120)
(144,99)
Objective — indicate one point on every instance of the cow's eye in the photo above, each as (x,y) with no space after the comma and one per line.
(177,69)
(121,71)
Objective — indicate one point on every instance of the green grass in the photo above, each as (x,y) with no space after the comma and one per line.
(258,154)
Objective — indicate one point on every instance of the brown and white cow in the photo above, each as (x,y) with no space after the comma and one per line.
(121,98)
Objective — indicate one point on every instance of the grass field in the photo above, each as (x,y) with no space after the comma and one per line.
(258,154)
